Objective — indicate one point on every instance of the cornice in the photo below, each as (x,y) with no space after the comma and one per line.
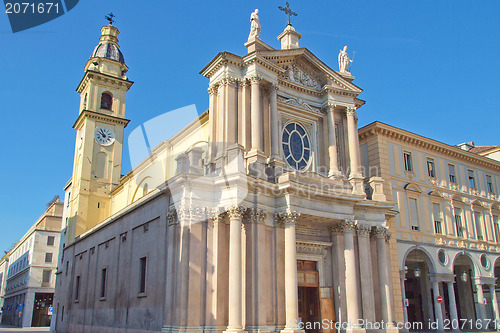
(99,116)
(102,77)
(221,59)
(409,138)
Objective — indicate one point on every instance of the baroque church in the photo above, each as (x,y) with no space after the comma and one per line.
(256,217)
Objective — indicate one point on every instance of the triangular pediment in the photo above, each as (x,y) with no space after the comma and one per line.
(304,68)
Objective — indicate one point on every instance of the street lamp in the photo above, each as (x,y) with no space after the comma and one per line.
(416,272)
(463,276)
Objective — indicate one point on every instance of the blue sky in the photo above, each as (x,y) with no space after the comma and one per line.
(430,67)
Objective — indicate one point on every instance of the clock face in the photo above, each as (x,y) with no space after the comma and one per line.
(104,136)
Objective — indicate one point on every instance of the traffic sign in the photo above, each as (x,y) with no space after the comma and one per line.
(440,299)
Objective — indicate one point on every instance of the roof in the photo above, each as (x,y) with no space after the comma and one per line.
(108,50)
(482,149)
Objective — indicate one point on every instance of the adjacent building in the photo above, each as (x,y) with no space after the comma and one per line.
(252,218)
(446,236)
(4,264)
(29,279)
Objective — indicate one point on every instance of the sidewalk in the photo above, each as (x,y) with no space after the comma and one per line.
(6,328)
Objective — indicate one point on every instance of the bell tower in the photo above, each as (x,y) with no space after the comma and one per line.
(99,138)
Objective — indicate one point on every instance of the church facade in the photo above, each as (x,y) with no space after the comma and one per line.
(256,217)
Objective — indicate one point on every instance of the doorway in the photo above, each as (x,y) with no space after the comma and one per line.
(309,305)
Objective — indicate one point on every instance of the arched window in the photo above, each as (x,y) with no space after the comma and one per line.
(106,101)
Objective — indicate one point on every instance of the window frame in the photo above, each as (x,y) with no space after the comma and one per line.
(103,284)
(430,161)
(143,273)
(473,178)
(49,274)
(438,222)
(452,176)
(77,288)
(408,162)
(110,101)
(458,220)
(51,257)
(53,238)
(489,184)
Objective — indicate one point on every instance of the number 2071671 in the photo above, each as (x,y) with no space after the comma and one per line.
(31,8)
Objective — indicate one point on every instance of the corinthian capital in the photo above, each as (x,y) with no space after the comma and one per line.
(255,215)
(381,232)
(235,212)
(212,90)
(255,79)
(347,226)
(288,217)
(364,230)
(330,107)
(351,111)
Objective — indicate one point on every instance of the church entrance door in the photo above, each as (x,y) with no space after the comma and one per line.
(309,305)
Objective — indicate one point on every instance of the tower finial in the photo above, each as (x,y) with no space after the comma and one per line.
(110,17)
(288,12)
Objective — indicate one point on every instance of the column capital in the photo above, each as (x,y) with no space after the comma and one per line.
(255,215)
(363,230)
(212,89)
(274,86)
(236,212)
(381,232)
(347,226)
(172,217)
(254,79)
(330,107)
(229,81)
(287,217)
(351,111)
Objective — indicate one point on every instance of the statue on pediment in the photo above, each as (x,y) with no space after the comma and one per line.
(344,61)
(254,25)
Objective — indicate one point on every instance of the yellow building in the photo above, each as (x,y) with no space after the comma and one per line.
(252,218)
(445,238)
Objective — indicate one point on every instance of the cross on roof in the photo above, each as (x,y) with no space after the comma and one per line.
(110,17)
(288,12)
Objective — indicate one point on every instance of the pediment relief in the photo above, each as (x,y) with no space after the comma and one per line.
(436,193)
(413,187)
(296,74)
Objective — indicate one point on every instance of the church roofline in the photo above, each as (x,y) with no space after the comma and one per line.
(408,137)
(159,148)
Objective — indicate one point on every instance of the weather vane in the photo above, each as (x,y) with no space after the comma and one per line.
(110,17)
(288,12)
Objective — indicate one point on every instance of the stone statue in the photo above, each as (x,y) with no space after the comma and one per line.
(344,61)
(255,25)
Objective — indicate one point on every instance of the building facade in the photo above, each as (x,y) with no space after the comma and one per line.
(252,218)
(446,235)
(4,264)
(31,267)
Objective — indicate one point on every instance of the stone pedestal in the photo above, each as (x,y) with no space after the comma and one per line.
(289,38)
(256,164)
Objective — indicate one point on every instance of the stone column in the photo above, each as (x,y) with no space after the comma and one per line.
(235,269)
(332,143)
(231,102)
(383,274)
(352,131)
(402,276)
(212,90)
(481,313)
(494,304)
(351,273)
(453,304)
(437,306)
(274,120)
(365,271)
(355,177)
(289,219)
(256,114)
